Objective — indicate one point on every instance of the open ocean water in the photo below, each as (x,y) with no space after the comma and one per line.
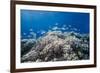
(35,23)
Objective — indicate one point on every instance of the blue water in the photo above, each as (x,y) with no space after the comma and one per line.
(41,22)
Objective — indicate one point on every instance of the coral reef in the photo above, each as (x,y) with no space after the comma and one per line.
(55,46)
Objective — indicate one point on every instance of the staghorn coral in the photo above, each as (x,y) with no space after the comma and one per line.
(57,46)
